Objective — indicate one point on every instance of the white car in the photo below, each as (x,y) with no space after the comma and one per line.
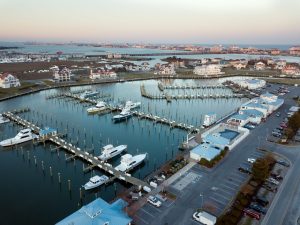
(154,201)
(251,160)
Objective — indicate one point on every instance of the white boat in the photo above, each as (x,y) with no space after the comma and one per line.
(95,181)
(128,162)
(3,119)
(209,119)
(125,114)
(98,108)
(88,94)
(23,136)
(132,105)
(109,151)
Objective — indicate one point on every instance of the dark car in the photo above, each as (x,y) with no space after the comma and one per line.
(245,169)
(258,208)
(276,176)
(283,163)
(261,201)
(269,187)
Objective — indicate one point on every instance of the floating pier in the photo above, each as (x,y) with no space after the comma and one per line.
(77,152)
(162,87)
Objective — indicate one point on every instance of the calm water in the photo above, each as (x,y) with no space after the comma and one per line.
(27,191)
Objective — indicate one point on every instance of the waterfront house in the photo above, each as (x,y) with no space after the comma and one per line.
(99,212)
(102,73)
(255,116)
(208,70)
(166,69)
(291,70)
(205,151)
(259,66)
(251,84)
(240,66)
(279,65)
(275,51)
(254,105)
(295,50)
(61,75)
(272,102)
(216,140)
(7,80)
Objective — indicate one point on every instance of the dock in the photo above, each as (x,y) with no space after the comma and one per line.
(162,87)
(76,152)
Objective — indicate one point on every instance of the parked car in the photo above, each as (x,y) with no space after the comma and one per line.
(283,163)
(272,180)
(205,218)
(269,187)
(258,208)
(154,201)
(251,160)
(252,213)
(276,134)
(277,131)
(244,169)
(279,128)
(249,126)
(261,200)
(278,114)
(276,176)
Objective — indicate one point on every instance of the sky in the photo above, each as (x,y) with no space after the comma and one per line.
(152,21)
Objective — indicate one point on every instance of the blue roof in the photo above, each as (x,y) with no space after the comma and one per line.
(252,112)
(216,139)
(47,130)
(252,81)
(99,212)
(267,94)
(206,151)
(239,116)
(256,105)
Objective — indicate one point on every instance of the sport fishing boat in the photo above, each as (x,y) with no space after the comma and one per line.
(132,105)
(88,94)
(109,151)
(3,119)
(209,119)
(128,162)
(23,136)
(95,181)
(101,106)
(124,115)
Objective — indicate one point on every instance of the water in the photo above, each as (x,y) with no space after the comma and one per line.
(27,191)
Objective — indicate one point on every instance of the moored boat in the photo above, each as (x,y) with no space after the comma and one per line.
(109,151)
(3,119)
(88,94)
(209,119)
(95,181)
(23,136)
(128,162)
(101,106)
(132,105)
(124,115)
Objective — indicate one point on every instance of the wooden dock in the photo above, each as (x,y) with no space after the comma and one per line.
(162,87)
(78,153)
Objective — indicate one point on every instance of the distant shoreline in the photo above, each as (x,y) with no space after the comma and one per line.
(9,47)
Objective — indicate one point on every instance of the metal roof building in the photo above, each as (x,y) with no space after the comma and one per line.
(99,212)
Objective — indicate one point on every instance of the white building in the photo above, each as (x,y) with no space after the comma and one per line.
(208,70)
(7,81)
(260,66)
(240,66)
(61,75)
(166,69)
(102,74)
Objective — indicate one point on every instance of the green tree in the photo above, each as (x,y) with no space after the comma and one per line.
(260,169)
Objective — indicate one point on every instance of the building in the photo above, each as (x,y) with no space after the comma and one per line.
(275,51)
(216,140)
(216,49)
(295,50)
(99,212)
(238,120)
(256,106)
(255,116)
(114,56)
(279,65)
(208,70)
(205,151)
(251,84)
(260,66)
(166,69)
(102,73)
(7,80)
(291,70)
(240,66)
(61,75)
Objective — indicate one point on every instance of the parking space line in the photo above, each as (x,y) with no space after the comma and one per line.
(147,212)
(244,176)
(221,196)
(228,187)
(222,191)
(141,219)
(233,184)
(153,207)
(236,180)
(218,201)
(228,192)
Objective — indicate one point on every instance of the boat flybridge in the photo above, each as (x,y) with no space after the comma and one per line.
(23,136)
(109,151)
(88,94)
(95,181)
(128,162)
(101,106)
(124,115)
(132,105)
(3,119)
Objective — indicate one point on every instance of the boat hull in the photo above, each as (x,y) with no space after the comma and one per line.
(12,141)
(104,158)
(121,118)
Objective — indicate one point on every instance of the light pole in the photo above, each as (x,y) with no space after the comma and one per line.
(201,195)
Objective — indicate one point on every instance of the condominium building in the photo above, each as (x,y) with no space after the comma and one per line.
(208,70)
(7,80)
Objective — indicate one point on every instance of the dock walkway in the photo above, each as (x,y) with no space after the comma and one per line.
(77,152)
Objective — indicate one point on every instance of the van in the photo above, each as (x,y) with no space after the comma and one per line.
(262,201)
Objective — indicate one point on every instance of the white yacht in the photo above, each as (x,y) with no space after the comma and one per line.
(124,115)
(101,106)
(109,151)
(209,119)
(88,94)
(95,181)
(23,136)
(128,162)
(3,119)
(132,105)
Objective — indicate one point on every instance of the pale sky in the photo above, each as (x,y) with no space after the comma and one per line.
(152,21)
